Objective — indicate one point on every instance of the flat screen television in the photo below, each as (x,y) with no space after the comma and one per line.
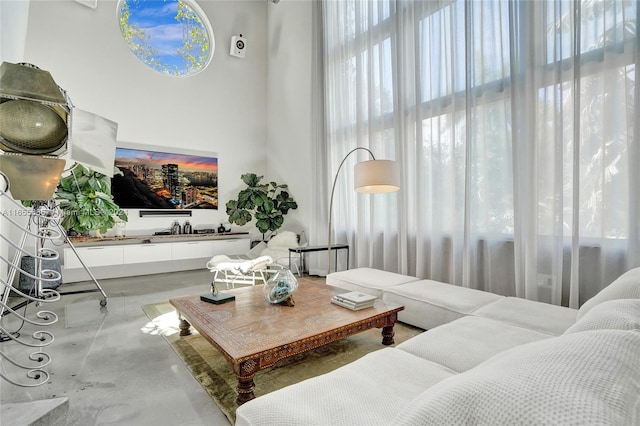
(163,180)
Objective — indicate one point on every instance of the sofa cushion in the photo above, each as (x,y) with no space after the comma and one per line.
(588,378)
(368,391)
(468,341)
(618,314)
(626,286)
(367,280)
(538,316)
(429,304)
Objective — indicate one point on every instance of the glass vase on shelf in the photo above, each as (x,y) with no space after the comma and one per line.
(119,227)
(187,228)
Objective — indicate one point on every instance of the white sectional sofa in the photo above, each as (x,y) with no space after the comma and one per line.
(429,303)
(484,360)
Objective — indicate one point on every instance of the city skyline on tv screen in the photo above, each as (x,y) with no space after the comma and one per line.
(163,180)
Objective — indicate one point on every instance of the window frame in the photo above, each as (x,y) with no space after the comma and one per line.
(494,91)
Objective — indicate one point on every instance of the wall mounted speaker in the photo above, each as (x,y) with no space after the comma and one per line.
(238,46)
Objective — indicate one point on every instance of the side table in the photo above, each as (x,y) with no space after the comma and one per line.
(302,251)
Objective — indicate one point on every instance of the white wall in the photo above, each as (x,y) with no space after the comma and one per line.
(254,113)
(289,103)
(218,111)
(13,23)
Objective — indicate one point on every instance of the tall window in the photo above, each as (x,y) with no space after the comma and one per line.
(514,122)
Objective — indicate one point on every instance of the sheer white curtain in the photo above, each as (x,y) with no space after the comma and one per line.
(514,123)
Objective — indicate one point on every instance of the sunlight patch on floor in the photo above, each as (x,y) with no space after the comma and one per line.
(163,325)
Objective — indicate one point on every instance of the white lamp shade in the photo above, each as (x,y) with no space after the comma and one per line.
(377,176)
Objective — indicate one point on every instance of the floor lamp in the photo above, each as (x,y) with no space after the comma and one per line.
(35,123)
(370,177)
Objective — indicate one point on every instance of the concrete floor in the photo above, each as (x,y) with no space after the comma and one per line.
(111,362)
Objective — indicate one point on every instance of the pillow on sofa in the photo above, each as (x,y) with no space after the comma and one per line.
(589,378)
(626,286)
(619,314)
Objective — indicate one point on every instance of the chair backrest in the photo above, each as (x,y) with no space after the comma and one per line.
(285,239)
(256,250)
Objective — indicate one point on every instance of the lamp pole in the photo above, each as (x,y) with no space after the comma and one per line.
(333,189)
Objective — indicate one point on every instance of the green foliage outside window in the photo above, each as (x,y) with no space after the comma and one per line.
(189,56)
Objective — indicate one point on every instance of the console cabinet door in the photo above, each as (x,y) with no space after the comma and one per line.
(93,256)
(230,247)
(144,253)
(192,250)
(155,252)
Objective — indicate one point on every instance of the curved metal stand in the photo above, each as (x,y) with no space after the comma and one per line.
(333,190)
(43,218)
(43,225)
(103,301)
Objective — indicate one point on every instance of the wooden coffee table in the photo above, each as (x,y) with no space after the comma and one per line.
(253,334)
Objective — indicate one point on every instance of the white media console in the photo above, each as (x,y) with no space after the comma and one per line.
(147,254)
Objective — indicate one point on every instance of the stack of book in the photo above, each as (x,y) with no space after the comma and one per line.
(354,300)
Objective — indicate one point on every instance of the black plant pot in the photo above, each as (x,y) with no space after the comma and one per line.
(27,284)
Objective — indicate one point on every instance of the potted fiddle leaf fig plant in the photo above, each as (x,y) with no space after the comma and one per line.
(267,203)
(84,196)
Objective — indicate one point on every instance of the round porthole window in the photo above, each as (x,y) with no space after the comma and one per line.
(173,37)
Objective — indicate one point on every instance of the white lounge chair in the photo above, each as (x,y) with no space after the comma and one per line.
(239,271)
(253,267)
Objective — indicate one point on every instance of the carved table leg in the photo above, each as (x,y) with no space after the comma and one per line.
(185,327)
(387,330)
(245,373)
(387,335)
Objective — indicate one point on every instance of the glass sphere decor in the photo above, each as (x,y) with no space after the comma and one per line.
(280,288)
